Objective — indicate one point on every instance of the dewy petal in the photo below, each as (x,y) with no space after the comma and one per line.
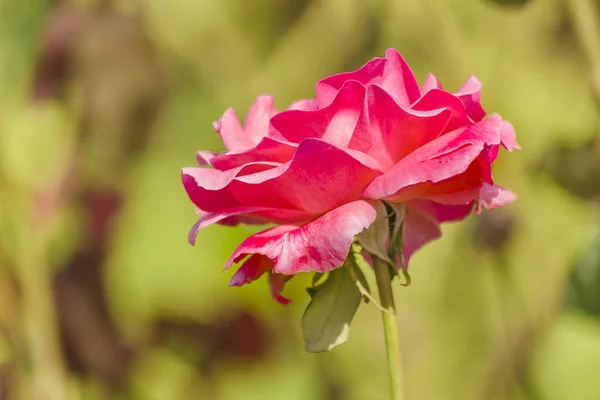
(319,178)
(396,132)
(318,246)
(419,228)
(470,95)
(333,123)
(430,83)
(391,73)
(443,158)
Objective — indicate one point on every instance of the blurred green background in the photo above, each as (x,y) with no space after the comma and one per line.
(101,296)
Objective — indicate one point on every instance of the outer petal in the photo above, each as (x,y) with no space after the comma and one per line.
(334,123)
(247,215)
(304,105)
(252,269)
(494,196)
(267,150)
(470,95)
(391,73)
(443,158)
(319,178)
(320,246)
(395,132)
(419,228)
(231,131)
(209,188)
(436,99)
(442,212)
(256,126)
(430,83)
(508,137)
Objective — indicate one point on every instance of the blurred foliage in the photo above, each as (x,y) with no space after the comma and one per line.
(101,296)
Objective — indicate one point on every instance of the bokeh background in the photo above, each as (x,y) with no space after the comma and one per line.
(101,296)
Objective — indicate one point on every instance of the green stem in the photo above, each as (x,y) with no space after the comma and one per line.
(390,328)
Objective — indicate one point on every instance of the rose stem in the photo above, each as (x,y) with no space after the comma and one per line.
(390,328)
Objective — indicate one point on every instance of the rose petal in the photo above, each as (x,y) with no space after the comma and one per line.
(419,228)
(209,189)
(442,212)
(470,95)
(267,150)
(276,284)
(494,196)
(333,123)
(395,132)
(430,83)
(319,178)
(508,137)
(443,158)
(247,215)
(436,99)
(252,269)
(256,126)
(391,73)
(319,246)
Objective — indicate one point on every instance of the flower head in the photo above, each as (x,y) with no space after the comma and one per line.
(318,169)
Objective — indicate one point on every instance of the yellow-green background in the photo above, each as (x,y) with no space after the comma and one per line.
(475,323)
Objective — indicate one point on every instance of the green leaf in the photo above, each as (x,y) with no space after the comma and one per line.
(326,320)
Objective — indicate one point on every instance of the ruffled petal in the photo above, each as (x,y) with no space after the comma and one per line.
(443,158)
(256,125)
(252,269)
(247,215)
(395,132)
(319,178)
(236,138)
(276,284)
(437,99)
(494,196)
(470,95)
(442,212)
(419,228)
(333,123)
(391,73)
(431,82)
(508,137)
(209,188)
(318,246)
(267,150)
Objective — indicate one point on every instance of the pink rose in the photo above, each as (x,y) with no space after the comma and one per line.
(317,169)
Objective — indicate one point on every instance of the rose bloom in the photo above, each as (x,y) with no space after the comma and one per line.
(317,169)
